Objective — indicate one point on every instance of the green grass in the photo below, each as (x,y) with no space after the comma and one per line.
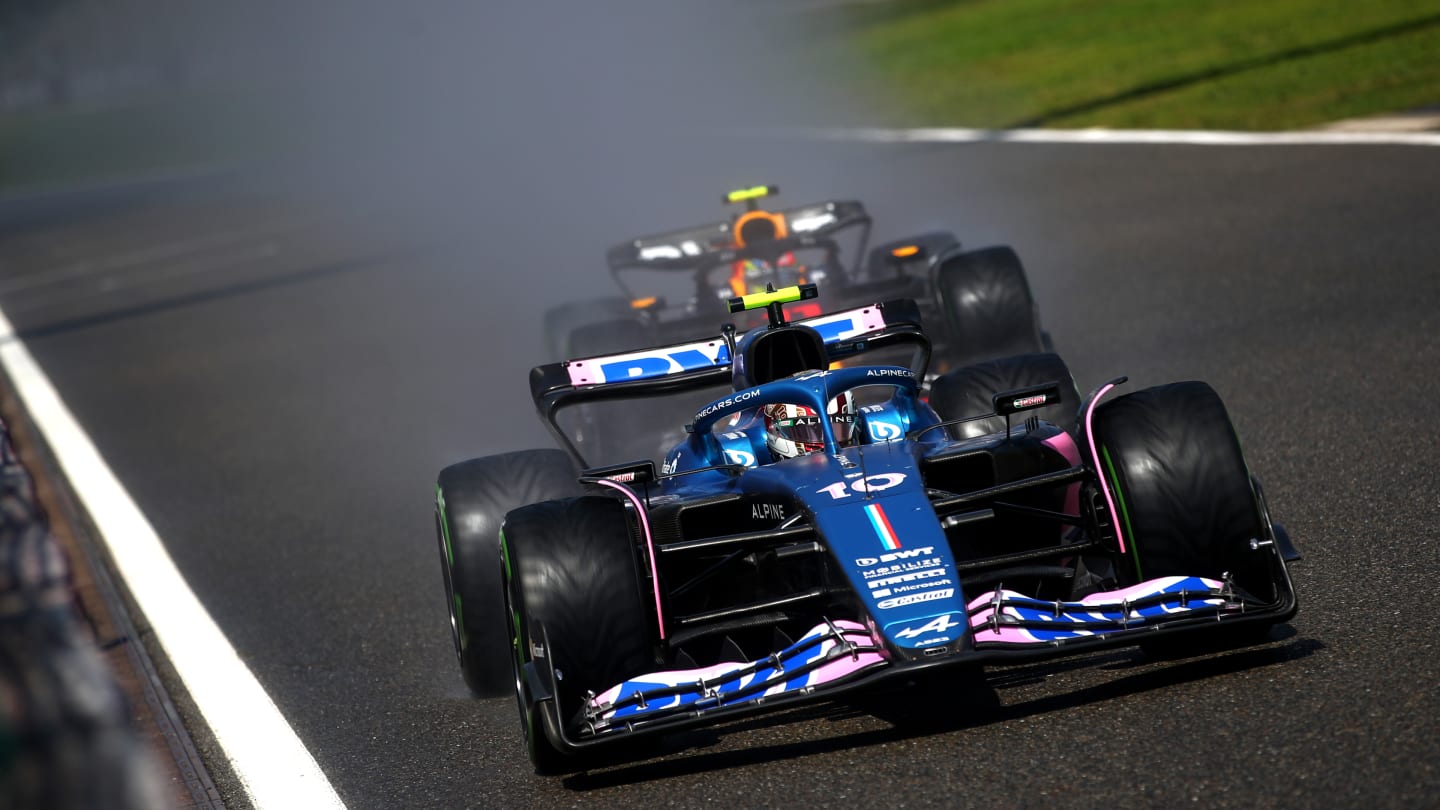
(1265,64)
(1217,64)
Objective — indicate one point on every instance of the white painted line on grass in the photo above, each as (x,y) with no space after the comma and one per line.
(1125,136)
(274,767)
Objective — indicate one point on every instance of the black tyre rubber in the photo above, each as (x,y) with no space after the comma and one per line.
(989,310)
(562,321)
(471,500)
(970,391)
(572,580)
(1184,492)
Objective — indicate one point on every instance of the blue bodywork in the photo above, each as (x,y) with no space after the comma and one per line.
(868,501)
(843,568)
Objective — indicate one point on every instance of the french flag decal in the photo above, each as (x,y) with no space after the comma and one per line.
(882,526)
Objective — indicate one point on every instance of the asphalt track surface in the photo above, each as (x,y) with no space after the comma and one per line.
(279,398)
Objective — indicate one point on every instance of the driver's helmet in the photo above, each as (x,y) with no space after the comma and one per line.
(754,228)
(796,430)
(750,275)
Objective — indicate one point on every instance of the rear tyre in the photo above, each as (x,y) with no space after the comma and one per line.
(970,391)
(471,499)
(989,310)
(1187,506)
(574,589)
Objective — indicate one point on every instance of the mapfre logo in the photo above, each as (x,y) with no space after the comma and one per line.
(903,554)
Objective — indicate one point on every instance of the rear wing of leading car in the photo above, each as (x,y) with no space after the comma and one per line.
(699,364)
(714,244)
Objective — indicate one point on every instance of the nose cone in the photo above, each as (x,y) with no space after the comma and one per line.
(871,509)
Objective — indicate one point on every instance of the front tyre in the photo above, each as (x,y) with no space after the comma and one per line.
(1187,505)
(471,500)
(577,605)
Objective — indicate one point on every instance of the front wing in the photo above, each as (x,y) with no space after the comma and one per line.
(836,656)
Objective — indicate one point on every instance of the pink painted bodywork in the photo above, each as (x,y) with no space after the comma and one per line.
(1115,516)
(868,319)
(587,372)
(1103,601)
(1065,446)
(649,546)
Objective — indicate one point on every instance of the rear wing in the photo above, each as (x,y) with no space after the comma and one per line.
(705,363)
(711,245)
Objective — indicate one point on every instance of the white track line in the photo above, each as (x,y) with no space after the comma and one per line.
(263,750)
(1124,136)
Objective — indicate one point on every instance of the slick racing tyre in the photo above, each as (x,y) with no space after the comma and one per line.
(970,391)
(1184,493)
(471,499)
(562,321)
(574,590)
(988,309)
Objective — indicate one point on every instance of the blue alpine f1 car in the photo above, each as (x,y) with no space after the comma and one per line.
(821,526)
